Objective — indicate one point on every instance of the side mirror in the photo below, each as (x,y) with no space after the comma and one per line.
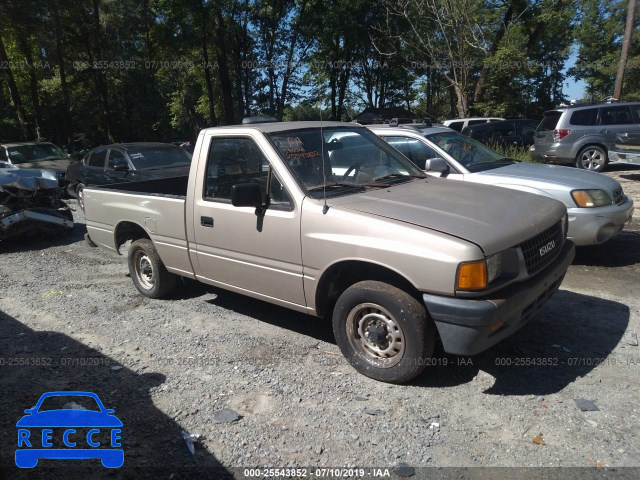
(436,165)
(121,166)
(246,195)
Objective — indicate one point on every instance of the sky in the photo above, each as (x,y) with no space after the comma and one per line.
(574,90)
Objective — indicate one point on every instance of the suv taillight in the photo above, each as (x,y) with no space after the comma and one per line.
(559,134)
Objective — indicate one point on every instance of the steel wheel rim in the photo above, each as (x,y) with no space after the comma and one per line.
(591,159)
(144,271)
(367,321)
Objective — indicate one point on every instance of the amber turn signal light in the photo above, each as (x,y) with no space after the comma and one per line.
(472,276)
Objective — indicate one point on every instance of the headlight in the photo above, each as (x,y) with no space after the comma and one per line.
(591,198)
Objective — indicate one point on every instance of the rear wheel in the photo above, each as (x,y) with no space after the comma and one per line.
(592,158)
(148,273)
(383,331)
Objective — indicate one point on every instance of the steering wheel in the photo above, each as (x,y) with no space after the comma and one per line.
(353,168)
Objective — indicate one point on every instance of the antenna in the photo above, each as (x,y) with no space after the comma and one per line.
(325,207)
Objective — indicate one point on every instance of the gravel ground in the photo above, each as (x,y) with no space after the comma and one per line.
(72,320)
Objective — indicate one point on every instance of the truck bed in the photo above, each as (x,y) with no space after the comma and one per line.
(115,212)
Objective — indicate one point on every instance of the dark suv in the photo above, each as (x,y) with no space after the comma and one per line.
(579,134)
(507,133)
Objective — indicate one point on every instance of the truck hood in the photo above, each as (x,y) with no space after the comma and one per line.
(548,178)
(491,217)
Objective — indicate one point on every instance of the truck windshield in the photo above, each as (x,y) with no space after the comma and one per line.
(158,156)
(341,160)
(473,155)
(34,153)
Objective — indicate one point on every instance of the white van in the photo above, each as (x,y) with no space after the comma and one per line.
(460,123)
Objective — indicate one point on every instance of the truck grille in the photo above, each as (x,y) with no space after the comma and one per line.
(542,249)
(618,196)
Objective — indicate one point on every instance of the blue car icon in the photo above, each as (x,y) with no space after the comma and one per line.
(71,432)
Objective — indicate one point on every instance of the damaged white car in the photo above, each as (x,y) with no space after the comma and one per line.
(30,202)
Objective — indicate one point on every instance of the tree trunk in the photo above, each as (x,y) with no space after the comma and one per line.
(15,94)
(462,106)
(223,69)
(33,84)
(343,83)
(100,75)
(626,42)
(207,71)
(67,128)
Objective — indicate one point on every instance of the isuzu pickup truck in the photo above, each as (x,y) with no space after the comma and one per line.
(327,219)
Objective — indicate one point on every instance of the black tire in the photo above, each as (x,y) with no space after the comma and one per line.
(399,335)
(593,158)
(80,195)
(148,273)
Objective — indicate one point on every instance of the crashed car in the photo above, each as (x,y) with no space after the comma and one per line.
(30,202)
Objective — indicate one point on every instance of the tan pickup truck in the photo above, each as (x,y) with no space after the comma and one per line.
(327,219)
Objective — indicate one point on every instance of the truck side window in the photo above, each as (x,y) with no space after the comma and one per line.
(239,160)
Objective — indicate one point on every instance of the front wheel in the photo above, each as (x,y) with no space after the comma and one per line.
(148,273)
(383,331)
(592,158)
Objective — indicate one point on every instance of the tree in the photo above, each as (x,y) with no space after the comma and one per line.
(448,35)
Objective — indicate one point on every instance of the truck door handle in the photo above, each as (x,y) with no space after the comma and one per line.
(604,131)
(206,222)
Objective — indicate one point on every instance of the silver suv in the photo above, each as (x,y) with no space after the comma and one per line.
(579,134)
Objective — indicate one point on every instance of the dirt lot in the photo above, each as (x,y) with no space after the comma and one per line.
(71,320)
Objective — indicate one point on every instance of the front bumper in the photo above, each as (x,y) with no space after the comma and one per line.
(22,221)
(470,326)
(592,226)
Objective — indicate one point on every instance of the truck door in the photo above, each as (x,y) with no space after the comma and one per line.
(235,247)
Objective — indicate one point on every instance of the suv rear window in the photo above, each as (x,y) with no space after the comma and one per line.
(587,116)
(549,121)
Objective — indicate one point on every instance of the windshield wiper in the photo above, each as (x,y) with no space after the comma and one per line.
(397,175)
(334,185)
(497,163)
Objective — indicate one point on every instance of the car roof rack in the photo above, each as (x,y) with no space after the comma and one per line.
(611,101)
(396,122)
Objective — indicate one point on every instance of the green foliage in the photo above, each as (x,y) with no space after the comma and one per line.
(599,36)
(125,70)
(521,154)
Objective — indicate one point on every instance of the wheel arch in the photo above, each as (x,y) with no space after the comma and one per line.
(128,231)
(344,273)
(591,143)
